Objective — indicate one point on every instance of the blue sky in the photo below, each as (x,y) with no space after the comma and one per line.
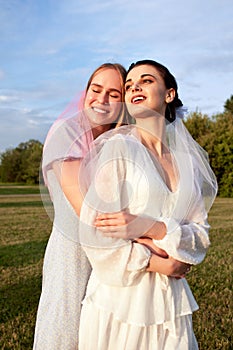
(49,48)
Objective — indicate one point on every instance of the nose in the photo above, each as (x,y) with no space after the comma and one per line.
(103,98)
(136,86)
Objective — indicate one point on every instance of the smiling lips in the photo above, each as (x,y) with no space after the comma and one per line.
(100,110)
(137,99)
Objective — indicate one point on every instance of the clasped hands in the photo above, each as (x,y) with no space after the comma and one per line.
(142,229)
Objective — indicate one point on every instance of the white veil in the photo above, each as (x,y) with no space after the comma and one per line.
(106,188)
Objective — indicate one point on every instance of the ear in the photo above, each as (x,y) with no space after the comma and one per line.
(170,95)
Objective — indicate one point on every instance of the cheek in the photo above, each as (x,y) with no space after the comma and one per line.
(157,98)
(127,98)
(116,108)
(89,99)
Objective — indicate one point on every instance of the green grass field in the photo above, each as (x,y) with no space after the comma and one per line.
(25,228)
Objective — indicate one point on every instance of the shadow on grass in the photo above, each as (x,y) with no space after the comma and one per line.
(19,255)
(19,298)
(21,204)
(22,190)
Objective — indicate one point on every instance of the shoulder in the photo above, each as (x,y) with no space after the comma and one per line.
(120,141)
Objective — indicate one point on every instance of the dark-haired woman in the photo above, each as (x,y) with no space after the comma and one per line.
(153,172)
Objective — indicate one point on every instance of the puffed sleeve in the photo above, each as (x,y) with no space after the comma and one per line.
(66,139)
(114,261)
(188,240)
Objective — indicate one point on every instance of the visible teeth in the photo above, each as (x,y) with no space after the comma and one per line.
(98,110)
(139,98)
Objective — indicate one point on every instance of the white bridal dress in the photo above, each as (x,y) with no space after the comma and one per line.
(126,307)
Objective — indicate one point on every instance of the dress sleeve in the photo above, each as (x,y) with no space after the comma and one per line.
(114,261)
(66,139)
(188,240)
(119,266)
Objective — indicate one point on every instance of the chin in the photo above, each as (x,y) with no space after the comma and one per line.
(139,111)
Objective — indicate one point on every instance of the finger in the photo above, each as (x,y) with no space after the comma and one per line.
(112,229)
(106,216)
(109,222)
(105,222)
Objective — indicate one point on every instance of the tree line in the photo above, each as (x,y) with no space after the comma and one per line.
(214,134)
(21,164)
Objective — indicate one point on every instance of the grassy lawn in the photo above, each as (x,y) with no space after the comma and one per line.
(25,228)
(212,281)
(9,189)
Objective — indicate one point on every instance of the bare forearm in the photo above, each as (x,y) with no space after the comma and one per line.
(158,264)
(157,231)
(67,175)
(127,226)
(74,196)
(148,242)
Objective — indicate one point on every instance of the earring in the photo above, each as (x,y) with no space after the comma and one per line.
(168,114)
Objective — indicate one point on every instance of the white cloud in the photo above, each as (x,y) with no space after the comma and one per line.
(8,99)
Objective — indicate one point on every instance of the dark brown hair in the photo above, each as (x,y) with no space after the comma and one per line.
(169,81)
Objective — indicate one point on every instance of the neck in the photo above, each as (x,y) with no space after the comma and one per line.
(152,133)
(98,130)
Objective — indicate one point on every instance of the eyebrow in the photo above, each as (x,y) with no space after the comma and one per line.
(142,76)
(100,86)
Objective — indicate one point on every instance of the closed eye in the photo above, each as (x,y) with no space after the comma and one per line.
(115,95)
(97,91)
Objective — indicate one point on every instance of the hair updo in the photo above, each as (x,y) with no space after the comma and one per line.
(170,82)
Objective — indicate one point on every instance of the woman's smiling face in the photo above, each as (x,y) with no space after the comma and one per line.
(103,97)
(145,87)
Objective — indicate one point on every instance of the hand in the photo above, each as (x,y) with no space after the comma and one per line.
(148,242)
(169,266)
(125,225)
(179,268)
(112,221)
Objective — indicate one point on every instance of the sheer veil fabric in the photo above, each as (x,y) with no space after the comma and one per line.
(120,173)
(104,170)
(107,166)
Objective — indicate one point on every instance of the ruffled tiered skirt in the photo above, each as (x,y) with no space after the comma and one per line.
(156,314)
(101,331)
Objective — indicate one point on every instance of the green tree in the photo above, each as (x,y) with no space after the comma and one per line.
(228,106)
(199,126)
(10,163)
(220,146)
(32,163)
(215,135)
(22,163)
